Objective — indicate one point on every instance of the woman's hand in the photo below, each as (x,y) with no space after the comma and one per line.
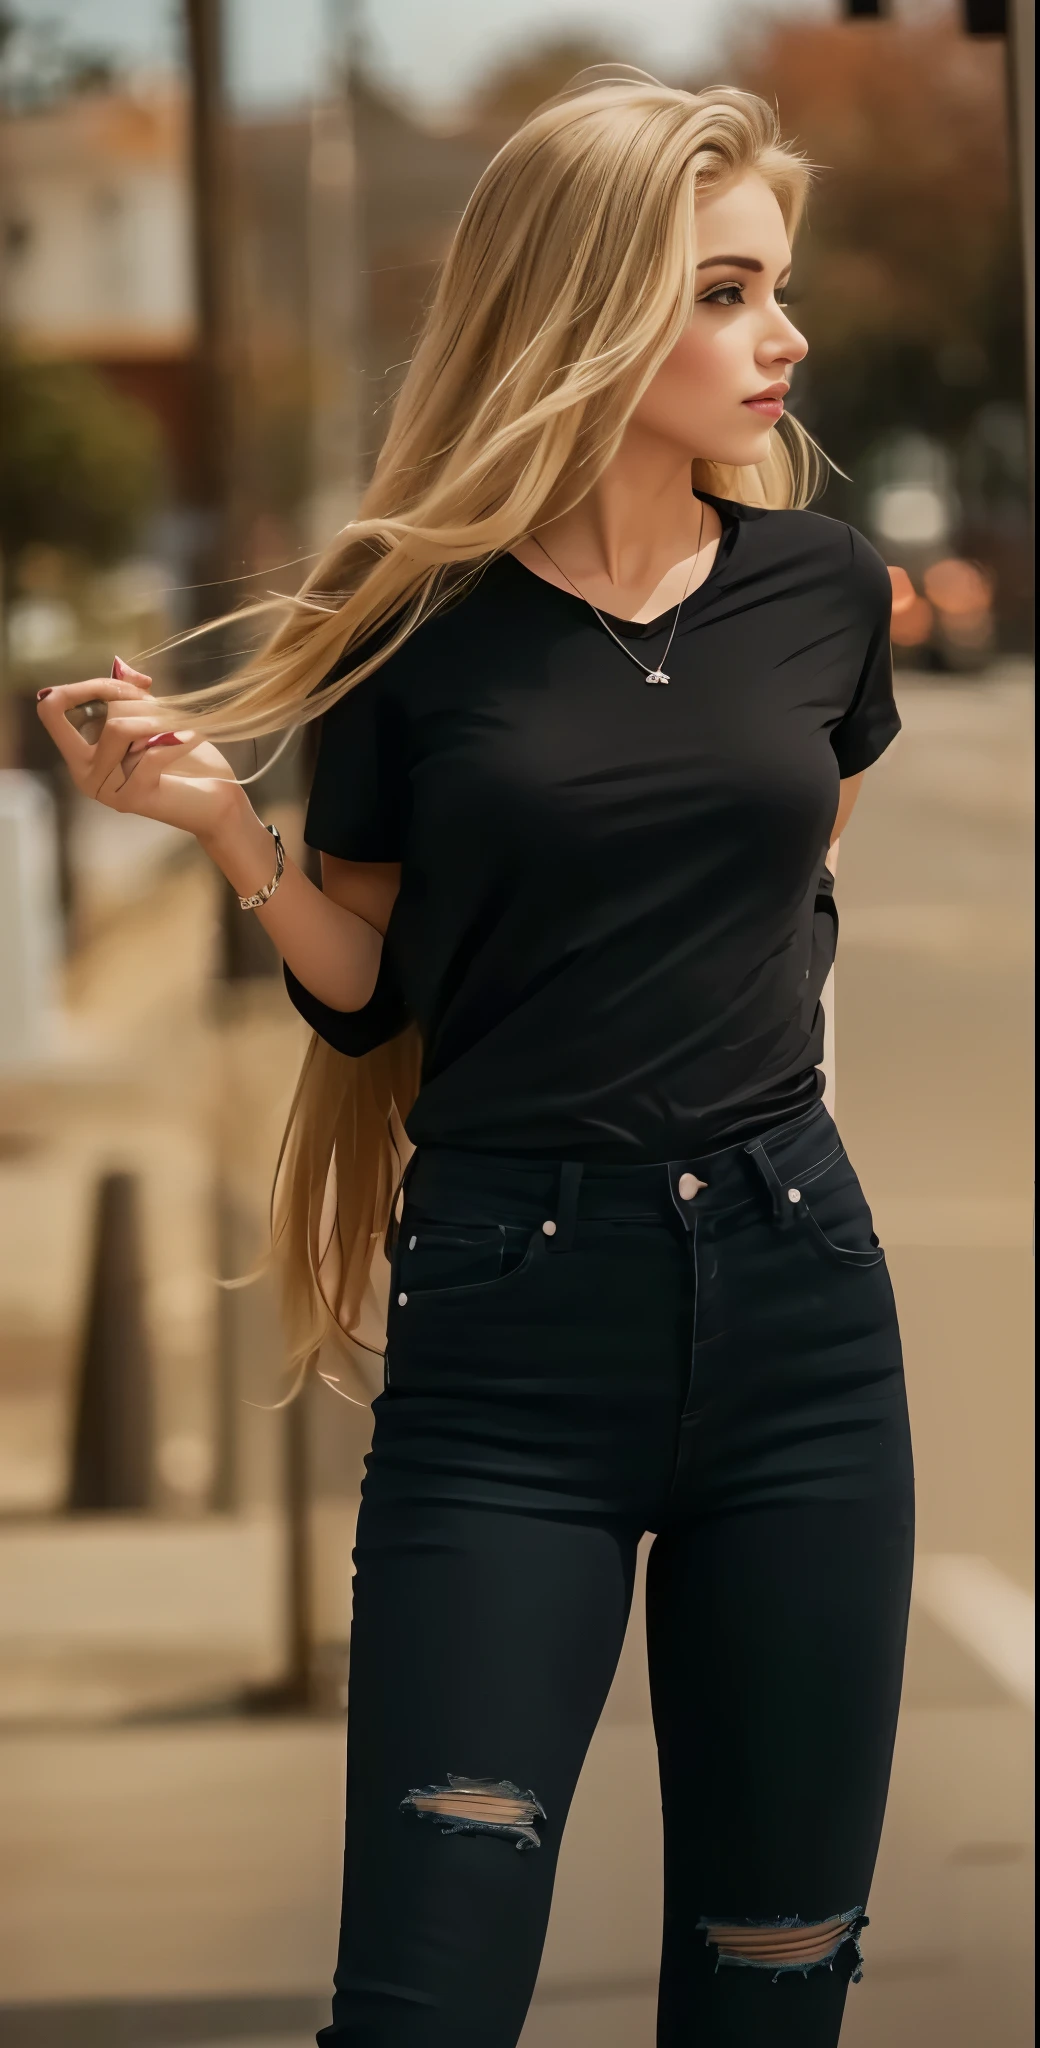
(182,780)
(137,765)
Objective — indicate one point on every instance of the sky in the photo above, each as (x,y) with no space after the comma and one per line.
(433,51)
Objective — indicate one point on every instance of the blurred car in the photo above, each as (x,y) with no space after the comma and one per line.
(945,618)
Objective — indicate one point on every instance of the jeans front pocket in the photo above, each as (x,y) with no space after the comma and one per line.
(836,1218)
(436,1257)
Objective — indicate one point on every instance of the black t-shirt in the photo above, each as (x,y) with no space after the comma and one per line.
(614,920)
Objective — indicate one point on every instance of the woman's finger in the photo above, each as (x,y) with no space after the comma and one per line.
(123,673)
(172,747)
(183,741)
(117,736)
(62,696)
(52,706)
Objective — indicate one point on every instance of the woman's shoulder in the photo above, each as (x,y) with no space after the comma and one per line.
(441,637)
(800,537)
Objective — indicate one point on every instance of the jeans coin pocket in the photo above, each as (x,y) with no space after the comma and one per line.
(435,1256)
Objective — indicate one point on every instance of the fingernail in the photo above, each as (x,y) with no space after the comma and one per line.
(122,673)
(164,739)
(41,694)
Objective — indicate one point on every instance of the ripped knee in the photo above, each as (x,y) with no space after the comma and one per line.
(478,1806)
(782,1946)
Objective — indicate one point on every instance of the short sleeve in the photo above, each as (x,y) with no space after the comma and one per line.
(871,721)
(357,812)
(357,801)
(355,1032)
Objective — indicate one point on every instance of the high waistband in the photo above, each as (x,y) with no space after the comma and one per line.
(475,1187)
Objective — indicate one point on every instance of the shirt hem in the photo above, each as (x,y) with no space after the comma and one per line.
(744,1128)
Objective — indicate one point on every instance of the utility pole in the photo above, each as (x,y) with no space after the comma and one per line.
(246,953)
(333,263)
(1021,60)
(212,240)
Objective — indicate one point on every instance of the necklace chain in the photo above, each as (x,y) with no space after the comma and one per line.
(652,675)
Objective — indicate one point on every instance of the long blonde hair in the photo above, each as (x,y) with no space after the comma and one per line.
(568,282)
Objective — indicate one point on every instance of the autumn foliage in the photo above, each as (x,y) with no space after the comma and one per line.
(906,275)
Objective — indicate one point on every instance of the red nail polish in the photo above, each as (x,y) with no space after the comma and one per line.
(164,739)
(41,694)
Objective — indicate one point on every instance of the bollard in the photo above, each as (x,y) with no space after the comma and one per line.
(113,1430)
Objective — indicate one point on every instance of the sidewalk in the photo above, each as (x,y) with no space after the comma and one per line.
(215,1917)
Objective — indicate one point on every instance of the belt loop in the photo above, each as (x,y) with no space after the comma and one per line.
(566,1219)
(785,1213)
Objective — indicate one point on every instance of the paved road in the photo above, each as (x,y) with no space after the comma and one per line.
(176,1884)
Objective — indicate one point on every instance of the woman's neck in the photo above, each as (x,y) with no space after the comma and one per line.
(629,545)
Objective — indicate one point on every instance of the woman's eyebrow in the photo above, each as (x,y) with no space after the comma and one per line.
(738,263)
(734,262)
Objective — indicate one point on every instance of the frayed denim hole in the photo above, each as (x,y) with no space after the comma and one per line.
(478,1806)
(724,1936)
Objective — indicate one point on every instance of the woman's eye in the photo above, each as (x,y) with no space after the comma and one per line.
(725,295)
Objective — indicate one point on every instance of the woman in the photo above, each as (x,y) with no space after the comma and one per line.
(588,735)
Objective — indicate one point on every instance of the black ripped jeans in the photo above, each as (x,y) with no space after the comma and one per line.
(576,1356)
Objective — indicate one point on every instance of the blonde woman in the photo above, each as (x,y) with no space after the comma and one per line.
(597,696)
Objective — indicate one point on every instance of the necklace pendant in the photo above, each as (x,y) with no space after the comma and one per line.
(657,675)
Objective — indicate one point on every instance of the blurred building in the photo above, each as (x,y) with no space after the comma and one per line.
(98,266)
(96,245)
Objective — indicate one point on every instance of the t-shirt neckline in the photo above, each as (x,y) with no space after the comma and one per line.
(729,512)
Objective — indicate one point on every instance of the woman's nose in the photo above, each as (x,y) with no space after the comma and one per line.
(793,345)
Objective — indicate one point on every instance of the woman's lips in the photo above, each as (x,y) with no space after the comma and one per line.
(770,408)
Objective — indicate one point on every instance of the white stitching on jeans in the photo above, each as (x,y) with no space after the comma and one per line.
(846,1253)
(822,1166)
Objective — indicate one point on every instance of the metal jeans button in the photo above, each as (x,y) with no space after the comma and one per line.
(689,1186)
(549,1227)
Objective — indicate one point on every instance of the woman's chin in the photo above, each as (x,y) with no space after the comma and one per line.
(745,450)
(758,443)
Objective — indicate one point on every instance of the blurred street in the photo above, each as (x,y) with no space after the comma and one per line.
(172,1874)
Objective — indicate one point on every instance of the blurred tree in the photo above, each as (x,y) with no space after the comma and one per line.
(515,88)
(80,465)
(907,279)
(907,275)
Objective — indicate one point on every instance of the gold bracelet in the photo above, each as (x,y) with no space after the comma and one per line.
(265,894)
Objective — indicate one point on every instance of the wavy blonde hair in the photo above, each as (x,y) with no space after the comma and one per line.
(569,280)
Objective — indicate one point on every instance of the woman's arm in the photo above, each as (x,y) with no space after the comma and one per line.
(331,937)
(369,887)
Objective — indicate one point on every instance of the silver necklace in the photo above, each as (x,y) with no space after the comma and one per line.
(652,675)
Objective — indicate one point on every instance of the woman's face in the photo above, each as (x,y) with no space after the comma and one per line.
(720,392)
